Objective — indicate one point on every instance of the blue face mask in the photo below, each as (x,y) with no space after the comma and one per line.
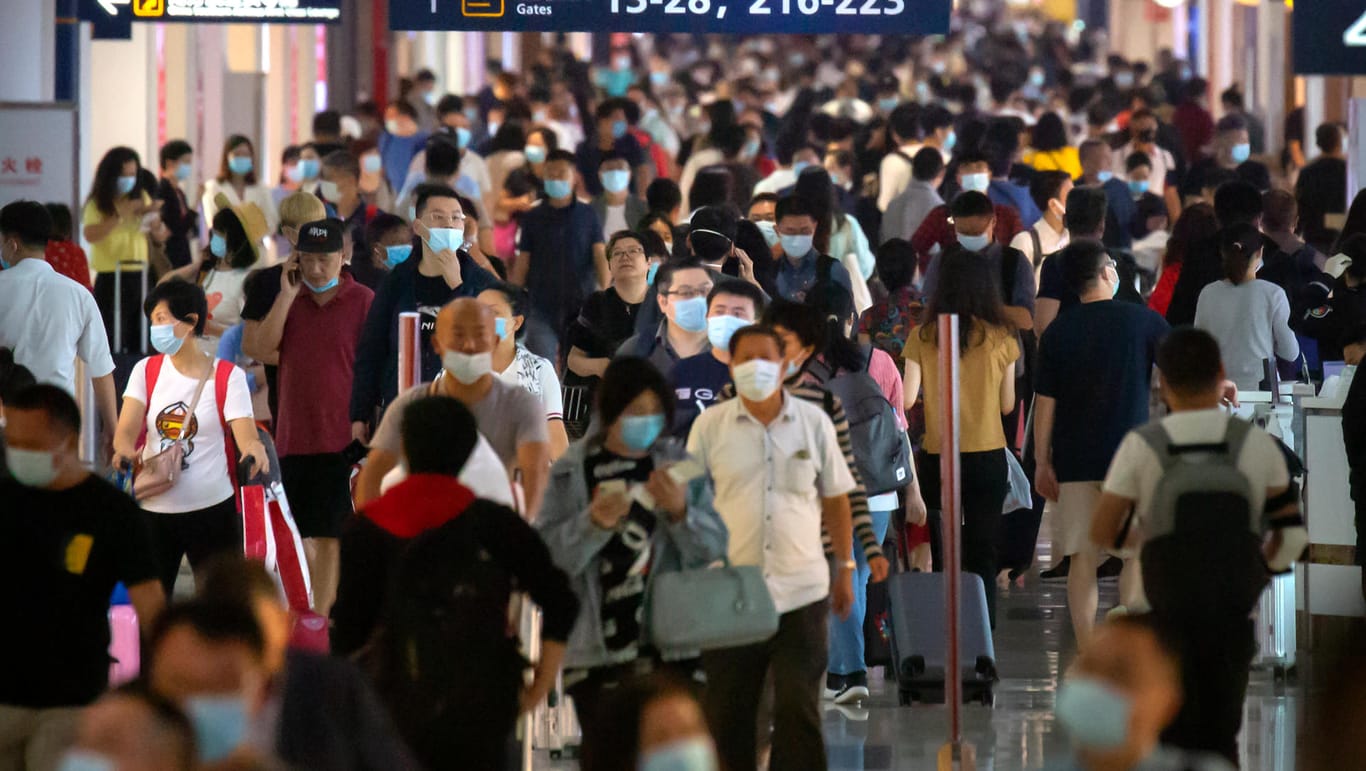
(650,273)
(1093,714)
(978,182)
(691,314)
(558,188)
(796,247)
(462,137)
(395,255)
(799,167)
(659,78)
(81,760)
(615,180)
(685,755)
(371,164)
(1241,152)
(1138,187)
(887,104)
(164,339)
(125,185)
(323,287)
(639,432)
(721,328)
(220,725)
(500,327)
(751,148)
(218,246)
(974,243)
(770,232)
(183,171)
(1104,176)
(618,129)
(950,141)
(239,164)
(534,153)
(309,168)
(441,239)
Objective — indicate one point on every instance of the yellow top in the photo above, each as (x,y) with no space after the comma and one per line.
(1065,159)
(127,242)
(980,372)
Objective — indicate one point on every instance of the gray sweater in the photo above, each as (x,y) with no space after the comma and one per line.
(1251,321)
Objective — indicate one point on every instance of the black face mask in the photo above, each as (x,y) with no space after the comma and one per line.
(1147,136)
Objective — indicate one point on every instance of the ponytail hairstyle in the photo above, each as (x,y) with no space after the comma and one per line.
(1238,247)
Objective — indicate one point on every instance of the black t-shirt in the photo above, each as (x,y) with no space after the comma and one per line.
(61,552)
(624,563)
(1252,172)
(1053,286)
(1101,381)
(697,382)
(562,274)
(1321,189)
(604,323)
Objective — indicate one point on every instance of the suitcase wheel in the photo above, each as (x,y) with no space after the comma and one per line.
(987,698)
(986,668)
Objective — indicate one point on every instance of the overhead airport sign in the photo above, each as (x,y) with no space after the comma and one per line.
(216,11)
(706,16)
(1329,37)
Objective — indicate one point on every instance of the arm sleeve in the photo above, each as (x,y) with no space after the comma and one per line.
(387,437)
(1046,374)
(372,352)
(363,581)
(834,474)
(928,234)
(238,402)
(888,378)
(1124,478)
(552,400)
(862,250)
(259,294)
(526,556)
(1050,279)
(859,514)
(528,415)
(137,384)
(93,345)
(135,561)
(1286,345)
(1023,294)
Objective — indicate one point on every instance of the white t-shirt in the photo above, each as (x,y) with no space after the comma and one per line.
(206,481)
(614,220)
(1135,470)
(536,375)
(223,289)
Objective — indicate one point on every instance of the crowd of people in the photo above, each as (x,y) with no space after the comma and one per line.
(676,310)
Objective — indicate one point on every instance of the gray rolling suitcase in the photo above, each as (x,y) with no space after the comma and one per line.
(1276,627)
(918,638)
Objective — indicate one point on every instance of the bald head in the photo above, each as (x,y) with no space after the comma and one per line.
(465,325)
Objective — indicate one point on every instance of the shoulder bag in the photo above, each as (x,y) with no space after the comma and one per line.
(157,474)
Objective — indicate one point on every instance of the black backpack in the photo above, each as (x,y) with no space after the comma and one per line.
(881,449)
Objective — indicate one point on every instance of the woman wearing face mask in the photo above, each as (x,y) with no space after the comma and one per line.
(540,143)
(988,349)
(1248,316)
(237,181)
(515,365)
(608,317)
(507,151)
(373,183)
(520,192)
(601,533)
(659,726)
(197,516)
(221,270)
(112,223)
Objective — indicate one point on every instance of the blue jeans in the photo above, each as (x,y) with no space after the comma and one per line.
(846,634)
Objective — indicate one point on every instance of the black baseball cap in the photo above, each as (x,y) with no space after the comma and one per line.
(322,236)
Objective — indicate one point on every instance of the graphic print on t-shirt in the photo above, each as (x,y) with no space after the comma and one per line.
(170,425)
(625,560)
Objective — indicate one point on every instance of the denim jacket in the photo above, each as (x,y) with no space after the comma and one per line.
(574,541)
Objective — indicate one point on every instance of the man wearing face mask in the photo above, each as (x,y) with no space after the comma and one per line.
(616,206)
(1085,218)
(683,287)
(67,537)
(1143,128)
(1117,698)
(974,224)
(314,335)
(439,270)
(779,477)
(802,265)
(612,135)
(937,232)
(1232,151)
(699,380)
(340,187)
(1090,392)
(510,417)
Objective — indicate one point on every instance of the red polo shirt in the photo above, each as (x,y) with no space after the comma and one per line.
(317,355)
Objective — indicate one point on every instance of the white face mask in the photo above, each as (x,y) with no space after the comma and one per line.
(757,379)
(467,367)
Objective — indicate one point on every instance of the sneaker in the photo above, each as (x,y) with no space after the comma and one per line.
(1116,612)
(1058,571)
(852,694)
(834,686)
(1110,568)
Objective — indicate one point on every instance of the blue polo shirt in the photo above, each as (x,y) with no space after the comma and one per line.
(795,279)
(697,382)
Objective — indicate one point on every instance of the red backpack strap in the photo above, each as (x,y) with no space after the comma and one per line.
(371,211)
(150,375)
(222,372)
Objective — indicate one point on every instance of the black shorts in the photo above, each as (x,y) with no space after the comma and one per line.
(319,492)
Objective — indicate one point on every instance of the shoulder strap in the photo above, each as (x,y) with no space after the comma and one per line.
(1157,438)
(1235,435)
(222,372)
(152,373)
(867,349)
(1038,246)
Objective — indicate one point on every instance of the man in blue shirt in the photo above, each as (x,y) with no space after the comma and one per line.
(561,258)
(802,266)
(698,380)
(1002,190)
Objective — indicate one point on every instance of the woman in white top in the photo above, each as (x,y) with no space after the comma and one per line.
(515,365)
(197,516)
(1249,317)
(235,245)
(238,183)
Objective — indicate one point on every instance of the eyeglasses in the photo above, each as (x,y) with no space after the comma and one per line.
(689,292)
(634,251)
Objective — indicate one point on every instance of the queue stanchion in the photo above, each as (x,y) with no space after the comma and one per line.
(409,350)
(955,753)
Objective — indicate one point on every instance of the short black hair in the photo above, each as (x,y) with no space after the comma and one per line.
(1237,202)
(737,288)
(1136,159)
(560,156)
(439,434)
(935,117)
(448,104)
(1045,187)
(796,206)
(624,380)
(183,299)
(424,75)
(1328,137)
(905,121)
(1278,209)
(713,231)
(426,191)
(800,319)
(343,161)
(1085,211)
(755,330)
(442,156)
(607,107)
(663,195)
(383,223)
(971,203)
(233,578)
(664,276)
(1231,123)
(28,221)
(927,164)
(1083,261)
(61,220)
(14,377)
(1189,360)
(219,622)
(763,198)
(60,407)
(173,150)
(896,263)
(517,297)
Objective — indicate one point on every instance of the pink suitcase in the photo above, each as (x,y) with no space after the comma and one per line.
(124,644)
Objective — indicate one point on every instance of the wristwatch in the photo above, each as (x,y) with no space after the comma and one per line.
(849,565)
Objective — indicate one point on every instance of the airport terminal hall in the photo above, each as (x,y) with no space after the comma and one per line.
(683,385)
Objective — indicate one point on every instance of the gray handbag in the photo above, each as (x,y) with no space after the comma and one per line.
(723,607)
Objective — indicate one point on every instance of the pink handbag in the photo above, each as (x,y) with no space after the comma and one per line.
(157,474)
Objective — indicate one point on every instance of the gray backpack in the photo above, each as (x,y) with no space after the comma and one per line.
(881,450)
(1202,551)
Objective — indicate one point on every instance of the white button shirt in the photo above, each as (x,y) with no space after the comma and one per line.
(50,321)
(769,484)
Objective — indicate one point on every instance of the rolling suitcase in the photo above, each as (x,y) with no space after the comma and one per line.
(918,638)
(1276,627)
(125,359)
